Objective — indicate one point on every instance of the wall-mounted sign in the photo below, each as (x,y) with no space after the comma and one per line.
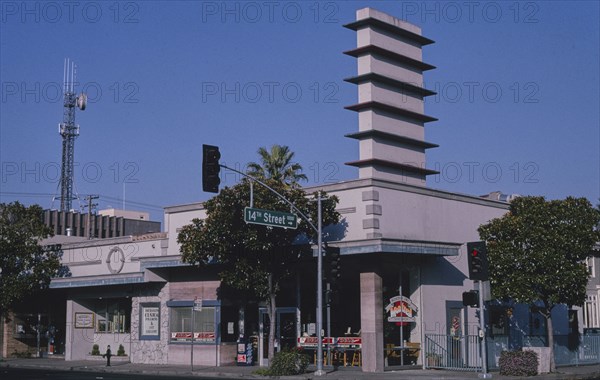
(343,342)
(199,337)
(401,310)
(84,320)
(150,321)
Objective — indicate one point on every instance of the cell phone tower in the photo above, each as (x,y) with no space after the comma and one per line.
(69,131)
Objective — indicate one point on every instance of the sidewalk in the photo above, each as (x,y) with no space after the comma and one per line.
(581,372)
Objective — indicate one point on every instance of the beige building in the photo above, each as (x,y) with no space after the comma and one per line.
(402,244)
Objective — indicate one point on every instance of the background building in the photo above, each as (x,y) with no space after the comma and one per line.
(106,224)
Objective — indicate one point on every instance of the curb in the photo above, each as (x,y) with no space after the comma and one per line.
(591,374)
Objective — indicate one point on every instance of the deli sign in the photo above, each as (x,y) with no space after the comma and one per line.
(401,310)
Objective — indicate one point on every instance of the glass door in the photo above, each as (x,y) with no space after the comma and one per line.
(287,327)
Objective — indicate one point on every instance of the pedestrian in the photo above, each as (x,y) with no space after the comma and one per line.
(107,355)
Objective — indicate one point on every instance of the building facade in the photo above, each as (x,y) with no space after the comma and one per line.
(402,245)
(591,310)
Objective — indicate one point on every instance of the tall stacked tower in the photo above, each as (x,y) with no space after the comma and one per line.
(391,118)
(69,131)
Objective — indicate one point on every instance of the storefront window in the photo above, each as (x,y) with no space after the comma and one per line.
(113,317)
(203,325)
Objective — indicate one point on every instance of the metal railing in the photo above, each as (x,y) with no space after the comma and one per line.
(459,353)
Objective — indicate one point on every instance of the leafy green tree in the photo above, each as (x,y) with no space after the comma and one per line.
(537,252)
(253,258)
(277,165)
(25,265)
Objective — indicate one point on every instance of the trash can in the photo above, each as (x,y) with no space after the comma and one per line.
(244,352)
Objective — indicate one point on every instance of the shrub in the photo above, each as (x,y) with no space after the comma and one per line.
(22,354)
(289,362)
(518,363)
(95,349)
(121,350)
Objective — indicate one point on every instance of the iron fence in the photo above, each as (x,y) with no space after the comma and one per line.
(453,352)
(462,353)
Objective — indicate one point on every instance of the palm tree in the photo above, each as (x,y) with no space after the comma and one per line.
(277,164)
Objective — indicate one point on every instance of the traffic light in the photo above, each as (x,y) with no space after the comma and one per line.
(210,168)
(478,263)
(332,273)
(335,266)
(470,298)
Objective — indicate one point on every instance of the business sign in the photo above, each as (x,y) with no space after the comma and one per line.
(401,310)
(201,337)
(150,321)
(270,218)
(312,341)
(342,342)
(349,342)
(84,320)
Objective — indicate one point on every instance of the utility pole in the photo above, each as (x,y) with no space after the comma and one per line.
(90,198)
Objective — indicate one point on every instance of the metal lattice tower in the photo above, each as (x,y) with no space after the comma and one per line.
(69,131)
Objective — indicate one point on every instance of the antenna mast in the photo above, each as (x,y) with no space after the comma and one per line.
(69,131)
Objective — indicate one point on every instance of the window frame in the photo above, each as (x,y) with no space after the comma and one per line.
(189,305)
(142,307)
(104,312)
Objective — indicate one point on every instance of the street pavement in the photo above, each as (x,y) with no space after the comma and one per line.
(236,372)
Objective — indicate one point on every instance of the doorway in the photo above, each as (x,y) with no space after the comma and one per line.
(286,333)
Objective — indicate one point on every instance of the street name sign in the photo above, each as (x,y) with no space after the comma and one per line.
(270,218)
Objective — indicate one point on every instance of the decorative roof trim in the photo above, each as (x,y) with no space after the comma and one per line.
(374,22)
(390,136)
(377,50)
(391,109)
(375,77)
(391,164)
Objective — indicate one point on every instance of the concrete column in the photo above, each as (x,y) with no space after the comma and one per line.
(3,337)
(371,322)
(69,331)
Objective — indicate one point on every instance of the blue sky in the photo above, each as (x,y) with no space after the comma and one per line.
(518,94)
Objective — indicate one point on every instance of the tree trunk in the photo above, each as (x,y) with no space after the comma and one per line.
(550,332)
(242,321)
(272,319)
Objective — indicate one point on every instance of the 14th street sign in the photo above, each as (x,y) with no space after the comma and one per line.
(270,218)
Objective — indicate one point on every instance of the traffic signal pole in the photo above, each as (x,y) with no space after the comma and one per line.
(329,358)
(484,371)
(319,371)
(479,271)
